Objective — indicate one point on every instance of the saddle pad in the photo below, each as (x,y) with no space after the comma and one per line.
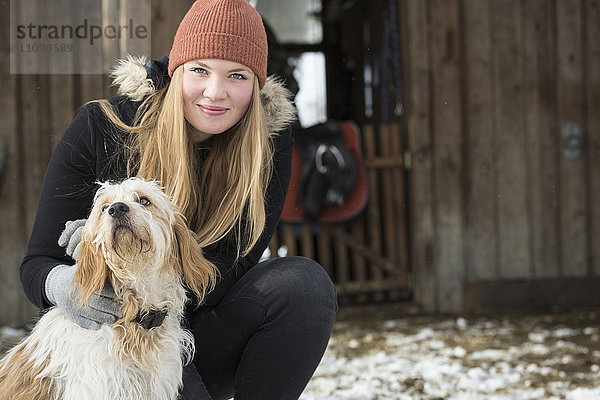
(354,203)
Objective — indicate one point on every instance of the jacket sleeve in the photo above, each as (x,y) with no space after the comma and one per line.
(66,194)
(223,255)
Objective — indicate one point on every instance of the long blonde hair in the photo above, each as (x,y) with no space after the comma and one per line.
(222,192)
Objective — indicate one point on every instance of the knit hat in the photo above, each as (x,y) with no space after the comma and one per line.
(229,30)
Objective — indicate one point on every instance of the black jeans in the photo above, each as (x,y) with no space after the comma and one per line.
(266,338)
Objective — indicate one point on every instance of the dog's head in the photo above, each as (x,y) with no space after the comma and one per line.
(134,235)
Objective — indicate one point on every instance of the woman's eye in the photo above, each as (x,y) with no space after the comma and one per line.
(198,70)
(144,201)
(238,77)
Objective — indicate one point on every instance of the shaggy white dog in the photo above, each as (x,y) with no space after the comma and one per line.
(136,239)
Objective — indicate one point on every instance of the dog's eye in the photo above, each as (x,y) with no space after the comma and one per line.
(104,207)
(144,201)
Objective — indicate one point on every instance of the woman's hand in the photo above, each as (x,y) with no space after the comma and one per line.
(101,307)
(60,290)
(70,238)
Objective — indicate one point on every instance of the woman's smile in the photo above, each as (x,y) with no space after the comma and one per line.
(212,111)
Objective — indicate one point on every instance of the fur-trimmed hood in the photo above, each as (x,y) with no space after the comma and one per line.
(135,78)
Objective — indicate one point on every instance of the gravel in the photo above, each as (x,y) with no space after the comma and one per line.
(384,353)
(379,355)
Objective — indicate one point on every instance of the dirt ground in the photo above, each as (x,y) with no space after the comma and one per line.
(385,353)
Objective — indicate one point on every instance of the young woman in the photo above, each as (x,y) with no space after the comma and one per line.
(211,127)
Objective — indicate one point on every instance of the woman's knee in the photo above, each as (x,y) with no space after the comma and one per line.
(300,276)
(293,289)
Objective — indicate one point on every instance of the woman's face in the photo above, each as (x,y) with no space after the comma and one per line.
(216,94)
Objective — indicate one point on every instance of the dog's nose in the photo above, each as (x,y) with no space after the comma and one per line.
(117,210)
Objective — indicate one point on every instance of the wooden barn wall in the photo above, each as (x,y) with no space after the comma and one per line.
(491,86)
(36,109)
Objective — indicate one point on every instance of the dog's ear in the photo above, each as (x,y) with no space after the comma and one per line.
(91,268)
(198,273)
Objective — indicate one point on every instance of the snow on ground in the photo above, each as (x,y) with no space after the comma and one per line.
(516,357)
(8,337)
(381,353)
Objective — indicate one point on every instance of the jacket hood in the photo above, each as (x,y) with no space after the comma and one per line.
(136,77)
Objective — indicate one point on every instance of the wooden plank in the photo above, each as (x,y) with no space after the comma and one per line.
(373,209)
(573,190)
(114,13)
(542,148)
(481,239)
(43,92)
(289,239)
(166,17)
(375,287)
(324,249)
(373,141)
(400,203)
(62,105)
(387,188)
(43,106)
(377,262)
(88,87)
(307,245)
(139,43)
(513,228)
(111,48)
(358,261)
(35,118)
(400,210)
(592,88)
(447,152)
(38,101)
(274,244)
(86,58)
(342,267)
(31,145)
(33,121)
(532,294)
(59,61)
(384,162)
(61,87)
(415,23)
(16,310)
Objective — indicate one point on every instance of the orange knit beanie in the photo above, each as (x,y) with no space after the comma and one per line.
(229,30)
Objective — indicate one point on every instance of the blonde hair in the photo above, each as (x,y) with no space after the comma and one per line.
(224,191)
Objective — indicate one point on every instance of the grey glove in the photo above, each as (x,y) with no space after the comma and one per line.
(70,238)
(102,307)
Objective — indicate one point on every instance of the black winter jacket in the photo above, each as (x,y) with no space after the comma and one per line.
(90,151)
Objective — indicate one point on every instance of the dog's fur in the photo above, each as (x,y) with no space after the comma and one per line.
(147,255)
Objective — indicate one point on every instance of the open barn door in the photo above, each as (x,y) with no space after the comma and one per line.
(358,44)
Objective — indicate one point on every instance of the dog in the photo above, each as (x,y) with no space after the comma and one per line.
(136,239)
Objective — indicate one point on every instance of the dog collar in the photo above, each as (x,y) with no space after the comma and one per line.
(151,319)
